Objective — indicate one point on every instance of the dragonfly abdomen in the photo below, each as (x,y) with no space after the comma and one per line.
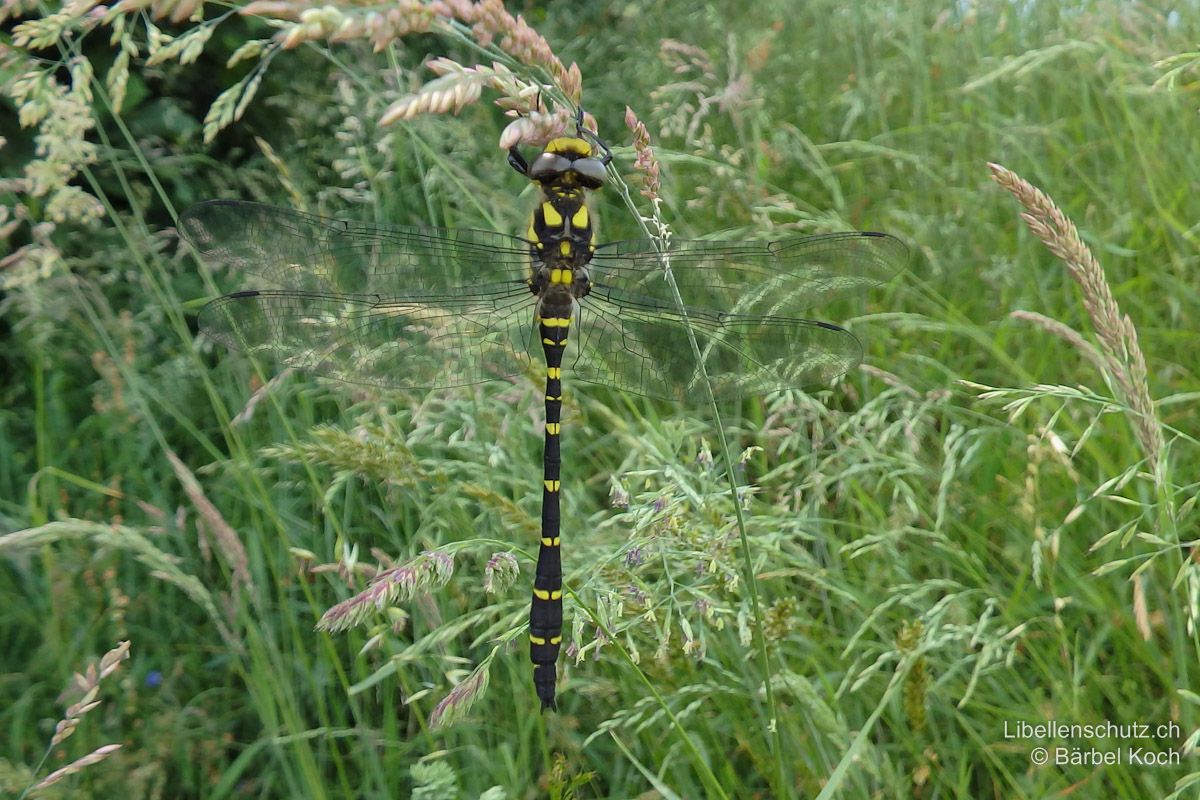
(545,611)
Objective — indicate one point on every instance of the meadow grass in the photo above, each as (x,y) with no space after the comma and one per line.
(989,523)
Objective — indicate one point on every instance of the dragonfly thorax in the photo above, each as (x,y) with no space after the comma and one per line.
(561,240)
(560,251)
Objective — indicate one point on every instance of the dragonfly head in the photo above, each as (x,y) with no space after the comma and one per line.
(579,160)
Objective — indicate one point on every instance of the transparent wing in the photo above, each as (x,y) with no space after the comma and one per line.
(400,306)
(740,298)
(397,343)
(390,306)
(779,278)
(306,253)
(637,345)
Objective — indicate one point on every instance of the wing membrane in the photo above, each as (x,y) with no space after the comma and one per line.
(306,253)
(779,278)
(638,345)
(390,306)
(397,306)
(396,344)
(740,298)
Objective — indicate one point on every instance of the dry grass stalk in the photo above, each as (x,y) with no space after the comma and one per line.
(94,757)
(457,85)
(87,683)
(247,413)
(888,378)
(1067,334)
(214,522)
(1141,609)
(1124,363)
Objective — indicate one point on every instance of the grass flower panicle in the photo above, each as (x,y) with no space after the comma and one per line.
(87,684)
(1124,362)
(427,572)
(459,700)
(500,573)
(646,162)
(215,525)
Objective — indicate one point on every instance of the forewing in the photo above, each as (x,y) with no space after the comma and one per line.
(386,306)
(284,249)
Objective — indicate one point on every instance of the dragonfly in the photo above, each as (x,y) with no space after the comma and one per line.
(411,307)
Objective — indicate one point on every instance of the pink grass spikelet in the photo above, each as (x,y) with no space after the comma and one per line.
(646,161)
(432,569)
(536,128)
(490,20)
(460,699)
(500,573)
(349,613)
(276,9)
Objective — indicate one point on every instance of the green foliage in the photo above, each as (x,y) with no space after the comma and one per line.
(434,781)
(960,537)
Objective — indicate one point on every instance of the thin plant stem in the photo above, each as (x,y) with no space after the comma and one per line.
(775,737)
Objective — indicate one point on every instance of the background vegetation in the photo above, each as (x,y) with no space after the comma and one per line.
(982,526)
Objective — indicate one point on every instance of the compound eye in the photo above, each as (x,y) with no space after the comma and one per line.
(591,172)
(548,166)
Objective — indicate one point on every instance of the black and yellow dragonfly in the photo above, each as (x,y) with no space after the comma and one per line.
(419,307)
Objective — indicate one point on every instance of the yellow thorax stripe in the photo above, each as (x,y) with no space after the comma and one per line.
(580,220)
(551,215)
(569,144)
(564,247)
